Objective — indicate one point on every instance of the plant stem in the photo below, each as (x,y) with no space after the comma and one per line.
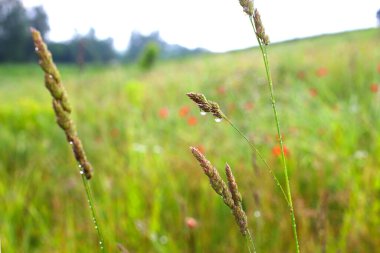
(252,243)
(253,147)
(91,205)
(287,183)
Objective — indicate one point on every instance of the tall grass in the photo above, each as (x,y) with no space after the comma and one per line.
(208,106)
(62,109)
(144,192)
(263,41)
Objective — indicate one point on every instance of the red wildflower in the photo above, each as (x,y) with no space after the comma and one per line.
(183,111)
(191,222)
(192,121)
(374,88)
(276,150)
(221,90)
(248,106)
(163,113)
(313,92)
(322,72)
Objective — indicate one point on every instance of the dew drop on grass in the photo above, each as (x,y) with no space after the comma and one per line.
(81,172)
(217,120)
(257,214)
(36,48)
(71,143)
(203,113)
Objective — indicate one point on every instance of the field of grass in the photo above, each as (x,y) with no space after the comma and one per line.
(137,128)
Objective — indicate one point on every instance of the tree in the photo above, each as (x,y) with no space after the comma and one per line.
(39,20)
(149,56)
(15,39)
(13,30)
(137,44)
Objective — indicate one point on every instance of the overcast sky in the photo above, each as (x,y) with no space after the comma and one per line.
(217,25)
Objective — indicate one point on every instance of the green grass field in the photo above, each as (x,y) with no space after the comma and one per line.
(137,128)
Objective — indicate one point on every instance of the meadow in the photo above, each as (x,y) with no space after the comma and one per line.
(137,127)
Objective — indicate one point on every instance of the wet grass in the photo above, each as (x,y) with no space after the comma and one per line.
(137,128)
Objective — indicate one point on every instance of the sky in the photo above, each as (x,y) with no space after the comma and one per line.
(217,25)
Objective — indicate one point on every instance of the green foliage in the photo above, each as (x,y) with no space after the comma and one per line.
(15,40)
(146,182)
(149,56)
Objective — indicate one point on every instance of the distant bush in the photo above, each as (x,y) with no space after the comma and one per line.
(149,56)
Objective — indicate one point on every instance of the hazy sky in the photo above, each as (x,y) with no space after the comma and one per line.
(218,25)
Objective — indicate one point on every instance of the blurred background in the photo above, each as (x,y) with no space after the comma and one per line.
(127,67)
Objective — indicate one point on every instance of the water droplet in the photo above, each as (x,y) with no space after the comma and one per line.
(50,76)
(80,166)
(203,113)
(81,172)
(100,242)
(96,227)
(257,214)
(71,143)
(36,48)
(217,120)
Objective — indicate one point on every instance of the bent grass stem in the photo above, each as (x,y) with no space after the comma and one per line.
(287,181)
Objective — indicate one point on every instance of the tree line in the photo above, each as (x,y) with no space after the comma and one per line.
(16,43)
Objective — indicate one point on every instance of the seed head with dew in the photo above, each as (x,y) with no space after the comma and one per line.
(206,105)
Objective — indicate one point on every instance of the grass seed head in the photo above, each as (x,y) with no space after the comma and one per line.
(211,172)
(232,185)
(247,6)
(206,105)
(260,30)
(61,103)
(241,219)
(230,194)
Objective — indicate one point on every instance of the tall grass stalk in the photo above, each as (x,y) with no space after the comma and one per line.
(62,111)
(263,41)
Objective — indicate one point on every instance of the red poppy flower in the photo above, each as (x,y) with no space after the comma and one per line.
(248,106)
(221,90)
(183,111)
(321,72)
(313,92)
(163,113)
(192,121)
(276,151)
(191,222)
(374,88)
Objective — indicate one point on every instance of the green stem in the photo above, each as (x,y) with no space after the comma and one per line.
(251,241)
(91,204)
(270,84)
(254,149)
